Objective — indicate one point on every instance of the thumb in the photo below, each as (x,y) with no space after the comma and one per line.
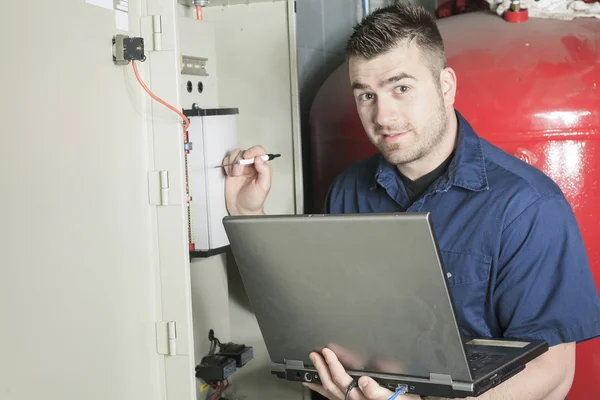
(264,173)
(372,390)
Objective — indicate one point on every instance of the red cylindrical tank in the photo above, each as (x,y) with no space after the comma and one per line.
(532,89)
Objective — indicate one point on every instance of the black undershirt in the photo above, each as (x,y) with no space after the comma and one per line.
(415,189)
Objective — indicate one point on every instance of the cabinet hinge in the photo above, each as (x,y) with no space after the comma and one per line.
(152,27)
(158,188)
(157,32)
(166,338)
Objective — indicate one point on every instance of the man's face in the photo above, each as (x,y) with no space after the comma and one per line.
(400,103)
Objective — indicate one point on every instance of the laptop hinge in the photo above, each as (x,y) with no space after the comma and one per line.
(277,368)
(441,379)
(294,364)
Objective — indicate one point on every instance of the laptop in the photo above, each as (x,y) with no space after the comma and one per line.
(372,288)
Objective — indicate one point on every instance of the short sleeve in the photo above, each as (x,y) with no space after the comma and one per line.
(331,207)
(544,288)
(327,205)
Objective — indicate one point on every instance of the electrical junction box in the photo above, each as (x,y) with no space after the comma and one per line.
(212,135)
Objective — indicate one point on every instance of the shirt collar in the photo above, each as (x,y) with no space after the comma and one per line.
(466,170)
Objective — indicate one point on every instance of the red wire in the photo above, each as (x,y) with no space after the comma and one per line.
(220,387)
(214,396)
(161,101)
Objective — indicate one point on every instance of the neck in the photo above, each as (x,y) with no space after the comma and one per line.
(424,165)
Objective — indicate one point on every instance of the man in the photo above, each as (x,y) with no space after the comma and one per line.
(508,236)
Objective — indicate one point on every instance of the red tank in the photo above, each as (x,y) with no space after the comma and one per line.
(533,89)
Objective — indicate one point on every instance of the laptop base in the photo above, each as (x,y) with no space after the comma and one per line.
(418,386)
(437,385)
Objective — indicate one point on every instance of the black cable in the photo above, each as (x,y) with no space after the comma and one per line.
(213,342)
(213,347)
(351,386)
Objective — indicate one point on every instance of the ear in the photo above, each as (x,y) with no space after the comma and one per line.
(448,86)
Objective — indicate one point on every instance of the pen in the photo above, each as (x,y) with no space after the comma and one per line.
(249,161)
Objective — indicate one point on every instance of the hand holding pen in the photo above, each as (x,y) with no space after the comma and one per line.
(248,180)
(250,161)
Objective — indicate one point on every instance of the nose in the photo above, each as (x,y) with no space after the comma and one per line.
(386,113)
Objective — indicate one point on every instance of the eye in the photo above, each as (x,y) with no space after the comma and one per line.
(366,96)
(401,89)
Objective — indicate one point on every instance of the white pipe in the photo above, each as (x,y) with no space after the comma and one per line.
(366,7)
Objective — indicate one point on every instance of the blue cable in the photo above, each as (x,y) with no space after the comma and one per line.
(400,391)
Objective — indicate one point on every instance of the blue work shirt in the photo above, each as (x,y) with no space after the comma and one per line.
(508,238)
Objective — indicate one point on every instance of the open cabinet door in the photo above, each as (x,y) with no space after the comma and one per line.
(93,267)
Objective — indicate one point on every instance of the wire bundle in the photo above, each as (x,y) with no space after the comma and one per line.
(220,387)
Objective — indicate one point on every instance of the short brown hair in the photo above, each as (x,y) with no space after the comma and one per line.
(388,27)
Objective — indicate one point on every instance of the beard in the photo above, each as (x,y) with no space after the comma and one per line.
(424,139)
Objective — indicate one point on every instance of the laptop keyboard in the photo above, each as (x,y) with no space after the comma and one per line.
(480,360)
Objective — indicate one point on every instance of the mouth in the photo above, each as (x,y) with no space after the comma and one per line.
(392,137)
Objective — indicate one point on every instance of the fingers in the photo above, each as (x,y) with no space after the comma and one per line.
(335,380)
(337,371)
(238,170)
(264,173)
(253,152)
(232,156)
(372,390)
(263,168)
(326,380)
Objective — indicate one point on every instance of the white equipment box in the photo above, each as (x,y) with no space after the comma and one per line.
(213,134)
